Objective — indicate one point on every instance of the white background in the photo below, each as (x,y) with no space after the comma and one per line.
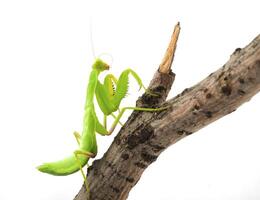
(45,59)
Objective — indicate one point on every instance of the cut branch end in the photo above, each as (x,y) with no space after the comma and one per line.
(166,63)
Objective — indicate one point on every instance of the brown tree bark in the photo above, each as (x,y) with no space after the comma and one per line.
(146,135)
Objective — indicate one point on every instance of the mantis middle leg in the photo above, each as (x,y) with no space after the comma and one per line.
(131,108)
(109,98)
(114,116)
(105,120)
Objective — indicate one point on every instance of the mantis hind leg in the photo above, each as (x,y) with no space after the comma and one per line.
(131,108)
(88,155)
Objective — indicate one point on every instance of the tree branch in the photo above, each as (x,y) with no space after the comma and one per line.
(145,135)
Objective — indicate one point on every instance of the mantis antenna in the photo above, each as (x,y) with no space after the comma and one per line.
(91,39)
(102,56)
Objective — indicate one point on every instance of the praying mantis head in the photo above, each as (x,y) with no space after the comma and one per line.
(100,65)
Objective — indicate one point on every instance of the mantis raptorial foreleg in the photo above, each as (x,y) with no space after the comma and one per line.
(110,82)
(112,128)
(109,97)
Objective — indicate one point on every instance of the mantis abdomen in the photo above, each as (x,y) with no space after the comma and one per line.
(87,140)
(64,167)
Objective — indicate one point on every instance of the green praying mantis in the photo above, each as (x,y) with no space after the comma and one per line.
(109,95)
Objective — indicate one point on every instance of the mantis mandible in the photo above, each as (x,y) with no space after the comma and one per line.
(109,96)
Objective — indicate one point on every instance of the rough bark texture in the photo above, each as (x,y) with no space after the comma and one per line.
(145,135)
